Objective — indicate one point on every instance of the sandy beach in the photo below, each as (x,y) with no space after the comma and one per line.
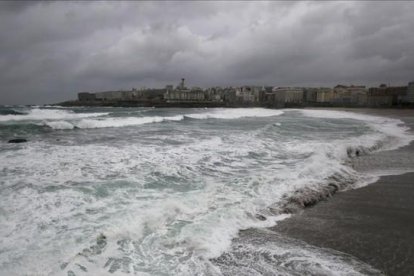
(374,223)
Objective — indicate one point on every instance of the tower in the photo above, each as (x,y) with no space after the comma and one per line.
(182,84)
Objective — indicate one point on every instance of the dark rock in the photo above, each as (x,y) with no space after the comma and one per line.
(17,140)
(82,267)
(101,240)
(260,217)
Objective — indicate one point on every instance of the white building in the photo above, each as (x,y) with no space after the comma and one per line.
(184,95)
(248,94)
(288,95)
(350,95)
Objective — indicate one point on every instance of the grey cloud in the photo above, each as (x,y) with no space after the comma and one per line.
(51,50)
(15,6)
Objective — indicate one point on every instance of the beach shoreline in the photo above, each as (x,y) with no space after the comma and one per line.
(372,223)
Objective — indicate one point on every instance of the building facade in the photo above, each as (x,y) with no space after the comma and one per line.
(288,96)
(184,96)
(86,96)
(354,95)
(310,94)
(384,96)
(247,95)
(324,95)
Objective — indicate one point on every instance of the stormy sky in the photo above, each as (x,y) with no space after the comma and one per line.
(49,51)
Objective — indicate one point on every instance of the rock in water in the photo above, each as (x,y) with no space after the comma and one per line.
(17,140)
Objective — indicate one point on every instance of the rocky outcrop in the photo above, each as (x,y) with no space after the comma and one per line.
(17,140)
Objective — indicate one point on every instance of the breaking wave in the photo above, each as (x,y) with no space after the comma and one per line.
(150,206)
(111,122)
(10,111)
(37,114)
(134,121)
(236,113)
(393,132)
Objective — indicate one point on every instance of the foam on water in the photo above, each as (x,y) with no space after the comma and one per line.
(111,122)
(218,113)
(386,127)
(168,208)
(263,252)
(236,113)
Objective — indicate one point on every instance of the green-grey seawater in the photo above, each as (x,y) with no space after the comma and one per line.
(151,191)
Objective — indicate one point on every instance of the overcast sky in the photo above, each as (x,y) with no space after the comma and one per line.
(49,51)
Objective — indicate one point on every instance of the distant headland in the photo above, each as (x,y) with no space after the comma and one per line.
(253,96)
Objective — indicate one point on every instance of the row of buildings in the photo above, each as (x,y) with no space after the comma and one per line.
(340,95)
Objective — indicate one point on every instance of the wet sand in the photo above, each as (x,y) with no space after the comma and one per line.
(374,223)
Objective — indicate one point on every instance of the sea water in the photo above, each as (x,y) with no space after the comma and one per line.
(152,191)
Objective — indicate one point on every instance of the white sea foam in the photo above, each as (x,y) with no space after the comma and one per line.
(388,128)
(49,114)
(235,113)
(110,122)
(163,208)
(122,122)
(133,121)
(212,215)
(279,255)
(59,125)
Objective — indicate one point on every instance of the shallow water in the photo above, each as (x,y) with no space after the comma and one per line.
(163,191)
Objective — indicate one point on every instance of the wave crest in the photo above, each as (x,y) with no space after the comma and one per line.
(38,114)
(133,121)
(236,113)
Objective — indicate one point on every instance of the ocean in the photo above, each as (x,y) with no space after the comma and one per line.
(153,191)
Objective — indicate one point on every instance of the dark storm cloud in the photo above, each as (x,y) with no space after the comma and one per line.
(14,6)
(51,50)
